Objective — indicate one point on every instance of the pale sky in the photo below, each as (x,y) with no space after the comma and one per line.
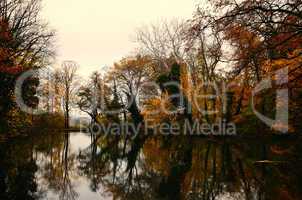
(96,33)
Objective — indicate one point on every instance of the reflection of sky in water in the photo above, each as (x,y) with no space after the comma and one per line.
(78,141)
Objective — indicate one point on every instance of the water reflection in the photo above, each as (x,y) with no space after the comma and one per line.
(83,166)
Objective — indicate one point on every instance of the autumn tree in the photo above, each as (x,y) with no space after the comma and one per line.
(25,43)
(257,30)
(130,76)
(259,34)
(51,90)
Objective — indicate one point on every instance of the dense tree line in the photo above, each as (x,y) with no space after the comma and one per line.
(239,47)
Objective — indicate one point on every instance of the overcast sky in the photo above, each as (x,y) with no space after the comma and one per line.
(96,33)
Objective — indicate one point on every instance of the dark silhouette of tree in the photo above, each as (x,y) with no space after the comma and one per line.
(67,78)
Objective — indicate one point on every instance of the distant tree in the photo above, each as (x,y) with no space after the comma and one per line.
(91,96)
(68,78)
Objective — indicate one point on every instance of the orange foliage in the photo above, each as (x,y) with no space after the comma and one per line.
(245,41)
(154,110)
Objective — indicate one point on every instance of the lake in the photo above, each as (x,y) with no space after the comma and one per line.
(82,166)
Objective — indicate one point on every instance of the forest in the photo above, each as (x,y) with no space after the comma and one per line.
(205,108)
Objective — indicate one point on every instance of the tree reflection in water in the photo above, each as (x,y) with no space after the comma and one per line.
(160,167)
(195,168)
(37,164)
(59,166)
(17,171)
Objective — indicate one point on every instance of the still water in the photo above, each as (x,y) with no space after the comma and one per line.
(81,166)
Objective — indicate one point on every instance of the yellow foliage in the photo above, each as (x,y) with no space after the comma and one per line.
(155,110)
